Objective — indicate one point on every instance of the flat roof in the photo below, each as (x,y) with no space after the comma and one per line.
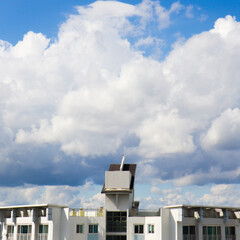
(204,207)
(34,206)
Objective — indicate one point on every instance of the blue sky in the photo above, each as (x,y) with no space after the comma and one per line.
(82,82)
(17,18)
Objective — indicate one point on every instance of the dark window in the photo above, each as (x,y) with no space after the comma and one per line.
(185,230)
(213,231)
(116,221)
(24,229)
(230,233)
(93,228)
(138,229)
(192,230)
(116,237)
(79,228)
(43,228)
(188,232)
(10,229)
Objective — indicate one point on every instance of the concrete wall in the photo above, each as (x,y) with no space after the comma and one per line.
(85,221)
(118,202)
(177,221)
(176,216)
(165,227)
(64,225)
(132,221)
(117,179)
(156,221)
(31,220)
(168,226)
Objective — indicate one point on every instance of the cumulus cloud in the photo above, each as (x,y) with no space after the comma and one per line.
(213,195)
(221,195)
(224,132)
(63,194)
(86,93)
(214,174)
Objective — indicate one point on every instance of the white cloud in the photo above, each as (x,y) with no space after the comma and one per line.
(176,7)
(189,11)
(99,89)
(209,195)
(63,194)
(33,44)
(145,42)
(224,132)
(166,133)
(226,26)
(214,174)
(90,88)
(222,195)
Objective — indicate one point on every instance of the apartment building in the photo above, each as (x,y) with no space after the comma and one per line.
(120,218)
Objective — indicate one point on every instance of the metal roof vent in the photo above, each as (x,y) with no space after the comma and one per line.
(122,163)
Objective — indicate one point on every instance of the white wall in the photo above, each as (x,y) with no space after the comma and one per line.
(131,221)
(117,179)
(156,221)
(74,220)
(118,202)
(165,226)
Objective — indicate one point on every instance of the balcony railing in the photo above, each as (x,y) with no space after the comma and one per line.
(189,237)
(212,237)
(231,237)
(144,212)
(24,236)
(42,236)
(10,236)
(86,212)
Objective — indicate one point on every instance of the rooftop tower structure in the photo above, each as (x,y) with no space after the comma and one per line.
(119,198)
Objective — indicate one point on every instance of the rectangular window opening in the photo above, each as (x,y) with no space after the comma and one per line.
(139,229)
(93,228)
(79,228)
(150,228)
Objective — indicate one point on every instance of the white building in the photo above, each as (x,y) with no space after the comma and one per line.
(120,219)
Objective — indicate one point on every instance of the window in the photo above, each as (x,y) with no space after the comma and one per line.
(10,232)
(188,232)
(79,228)
(93,228)
(43,228)
(24,232)
(116,237)
(138,229)
(42,232)
(116,221)
(10,229)
(150,228)
(24,229)
(211,232)
(230,233)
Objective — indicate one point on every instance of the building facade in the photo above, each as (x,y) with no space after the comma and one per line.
(120,218)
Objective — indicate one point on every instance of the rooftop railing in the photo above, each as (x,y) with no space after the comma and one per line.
(74,212)
(144,212)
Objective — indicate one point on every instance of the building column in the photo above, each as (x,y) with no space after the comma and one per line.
(15,231)
(199,231)
(4,230)
(179,231)
(199,226)
(223,231)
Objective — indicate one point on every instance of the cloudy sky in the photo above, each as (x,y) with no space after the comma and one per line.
(82,82)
